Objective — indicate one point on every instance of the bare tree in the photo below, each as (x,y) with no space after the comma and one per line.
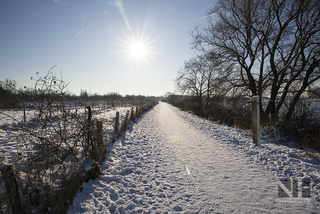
(294,49)
(200,77)
(274,45)
(191,80)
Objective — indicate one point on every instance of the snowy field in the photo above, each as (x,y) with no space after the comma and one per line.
(173,162)
(9,119)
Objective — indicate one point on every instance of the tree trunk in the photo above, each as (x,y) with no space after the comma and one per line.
(294,102)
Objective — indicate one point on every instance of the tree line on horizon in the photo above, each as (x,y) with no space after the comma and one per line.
(11,95)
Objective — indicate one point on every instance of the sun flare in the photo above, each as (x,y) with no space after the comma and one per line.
(138,52)
(137,49)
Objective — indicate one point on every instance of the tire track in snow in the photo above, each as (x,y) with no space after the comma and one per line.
(145,173)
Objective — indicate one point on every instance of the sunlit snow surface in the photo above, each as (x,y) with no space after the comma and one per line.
(10,119)
(205,168)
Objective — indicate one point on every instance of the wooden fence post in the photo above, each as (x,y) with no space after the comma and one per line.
(138,111)
(116,125)
(24,113)
(98,149)
(16,200)
(256,120)
(131,115)
(135,113)
(125,122)
(88,127)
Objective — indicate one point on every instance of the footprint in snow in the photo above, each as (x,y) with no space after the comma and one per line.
(113,195)
(177,208)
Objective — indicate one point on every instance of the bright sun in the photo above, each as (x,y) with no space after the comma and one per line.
(137,49)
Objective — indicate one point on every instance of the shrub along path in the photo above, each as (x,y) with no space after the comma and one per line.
(171,161)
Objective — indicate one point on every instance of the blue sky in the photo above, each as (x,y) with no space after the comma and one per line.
(90,42)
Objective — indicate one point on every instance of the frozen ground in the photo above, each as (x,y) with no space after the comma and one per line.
(171,161)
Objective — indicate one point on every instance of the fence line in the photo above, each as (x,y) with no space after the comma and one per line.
(96,147)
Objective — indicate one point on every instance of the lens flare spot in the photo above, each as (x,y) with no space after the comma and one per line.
(123,13)
(188,171)
(174,138)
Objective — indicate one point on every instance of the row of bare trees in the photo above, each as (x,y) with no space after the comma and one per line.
(269,48)
(201,77)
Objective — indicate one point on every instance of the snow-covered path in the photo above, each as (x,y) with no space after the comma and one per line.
(166,164)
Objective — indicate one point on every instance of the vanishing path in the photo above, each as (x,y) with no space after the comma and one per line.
(147,172)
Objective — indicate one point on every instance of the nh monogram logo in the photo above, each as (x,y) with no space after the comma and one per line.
(294,191)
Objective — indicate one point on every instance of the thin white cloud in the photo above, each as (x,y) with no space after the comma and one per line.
(203,17)
(81,32)
(105,12)
(87,57)
(210,14)
(205,9)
